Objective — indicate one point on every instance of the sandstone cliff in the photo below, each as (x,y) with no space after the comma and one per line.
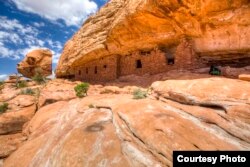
(218,30)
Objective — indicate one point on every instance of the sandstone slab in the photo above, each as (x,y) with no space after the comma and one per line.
(57,90)
(13,121)
(9,143)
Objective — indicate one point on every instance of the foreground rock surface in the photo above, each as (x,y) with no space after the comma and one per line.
(122,131)
(37,59)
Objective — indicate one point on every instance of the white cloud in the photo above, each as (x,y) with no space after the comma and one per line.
(73,12)
(6,52)
(36,24)
(3,77)
(25,38)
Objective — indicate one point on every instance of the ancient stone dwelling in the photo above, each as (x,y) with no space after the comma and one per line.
(147,37)
(139,62)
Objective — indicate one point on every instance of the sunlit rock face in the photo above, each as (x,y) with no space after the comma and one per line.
(217,31)
(39,60)
(118,130)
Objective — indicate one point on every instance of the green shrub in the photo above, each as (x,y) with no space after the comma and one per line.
(22,84)
(28,91)
(3,107)
(81,89)
(39,78)
(139,94)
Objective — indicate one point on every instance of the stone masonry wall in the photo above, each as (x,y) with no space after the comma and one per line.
(139,63)
(152,62)
(157,60)
(104,69)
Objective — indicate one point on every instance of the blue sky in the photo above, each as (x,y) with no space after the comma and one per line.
(30,24)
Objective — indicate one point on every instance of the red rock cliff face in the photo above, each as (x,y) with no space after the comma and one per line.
(217,30)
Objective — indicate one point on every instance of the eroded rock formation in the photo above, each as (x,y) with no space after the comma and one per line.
(39,60)
(217,32)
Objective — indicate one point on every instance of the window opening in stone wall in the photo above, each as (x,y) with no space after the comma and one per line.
(87,70)
(105,66)
(95,69)
(138,64)
(80,72)
(170,60)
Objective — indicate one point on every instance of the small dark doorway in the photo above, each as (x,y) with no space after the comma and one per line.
(87,70)
(95,69)
(80,72)
(138,64)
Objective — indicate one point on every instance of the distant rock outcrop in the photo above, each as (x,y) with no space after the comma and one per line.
(37,59)
(216,30)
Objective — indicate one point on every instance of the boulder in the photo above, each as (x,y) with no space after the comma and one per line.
(36,60)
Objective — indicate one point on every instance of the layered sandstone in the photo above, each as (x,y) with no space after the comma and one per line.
(39,60)
(216,31)
(110,128)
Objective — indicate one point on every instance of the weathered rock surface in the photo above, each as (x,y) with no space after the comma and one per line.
(9,143)
(13,121)
(14,78)
(37,59)
(58,90)
(21,108)
(244,77)
(121,131)
(218,30)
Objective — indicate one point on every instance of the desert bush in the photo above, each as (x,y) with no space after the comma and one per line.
(81,89)
(21,84)
(39,78)
(28,91)
(1,85)
(108,91)
(139,94)
(91,106)
(3,107)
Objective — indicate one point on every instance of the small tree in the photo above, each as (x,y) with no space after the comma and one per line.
(3,107)
(140,94)
(81,89)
